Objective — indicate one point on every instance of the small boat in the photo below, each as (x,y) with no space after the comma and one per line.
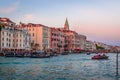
(19,55)
(100,57)
(40,56)
(88,53)
(1,54)
(11,54)
(65,53)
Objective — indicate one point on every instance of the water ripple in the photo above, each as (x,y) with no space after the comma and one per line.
(69,67)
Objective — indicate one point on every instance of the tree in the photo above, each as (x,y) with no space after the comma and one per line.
(99,47)
(1,26)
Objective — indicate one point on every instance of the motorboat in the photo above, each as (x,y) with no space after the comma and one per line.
(100,57)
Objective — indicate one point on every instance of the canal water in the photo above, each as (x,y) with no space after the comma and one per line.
(62,67)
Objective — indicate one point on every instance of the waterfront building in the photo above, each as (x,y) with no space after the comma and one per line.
(57,40)
(69,40)
(26,36)
(82,40)
(107,48)
(42,37)
(117,48)
(90,46)
(12,38)
(79,42)
(39,34)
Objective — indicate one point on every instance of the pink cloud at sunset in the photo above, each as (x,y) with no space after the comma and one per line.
(29,17)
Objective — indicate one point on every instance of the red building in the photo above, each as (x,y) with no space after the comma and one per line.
(57,40)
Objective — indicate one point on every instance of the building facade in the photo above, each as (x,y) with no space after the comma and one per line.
(57,40)
(90,46)
(82,41)
(11,37)
(39,34)
(14,39)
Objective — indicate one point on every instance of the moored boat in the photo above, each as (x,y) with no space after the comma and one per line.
(100,57)
(10,54)
(88,53)
(65,53)
(39,56)
(1,54)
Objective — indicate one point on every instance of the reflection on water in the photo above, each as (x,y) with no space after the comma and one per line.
(67,67)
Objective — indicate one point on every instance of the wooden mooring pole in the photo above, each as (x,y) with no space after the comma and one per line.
(117,64)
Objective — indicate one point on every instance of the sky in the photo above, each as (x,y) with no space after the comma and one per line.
(99,20)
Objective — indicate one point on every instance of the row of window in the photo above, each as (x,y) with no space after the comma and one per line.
(32,35)
(45,41)
(31,29)
(14,35)
(54,39)
(7,39)
(9,45)
(69,37)
(53,34)
(56,45)
(45,29)
(45,34)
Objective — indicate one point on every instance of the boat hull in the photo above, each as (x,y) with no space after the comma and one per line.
(101,57)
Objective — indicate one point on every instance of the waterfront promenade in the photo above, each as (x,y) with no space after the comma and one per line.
(62,67)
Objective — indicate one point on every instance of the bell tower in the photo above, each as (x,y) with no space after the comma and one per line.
(66,25)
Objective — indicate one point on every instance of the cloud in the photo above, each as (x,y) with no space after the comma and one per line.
(9,9)
(30,17)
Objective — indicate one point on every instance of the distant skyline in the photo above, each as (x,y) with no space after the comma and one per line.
(99,20)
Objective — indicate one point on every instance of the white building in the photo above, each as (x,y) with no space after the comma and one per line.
(11,37)
(90,46)
(82,40)
(14,39)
